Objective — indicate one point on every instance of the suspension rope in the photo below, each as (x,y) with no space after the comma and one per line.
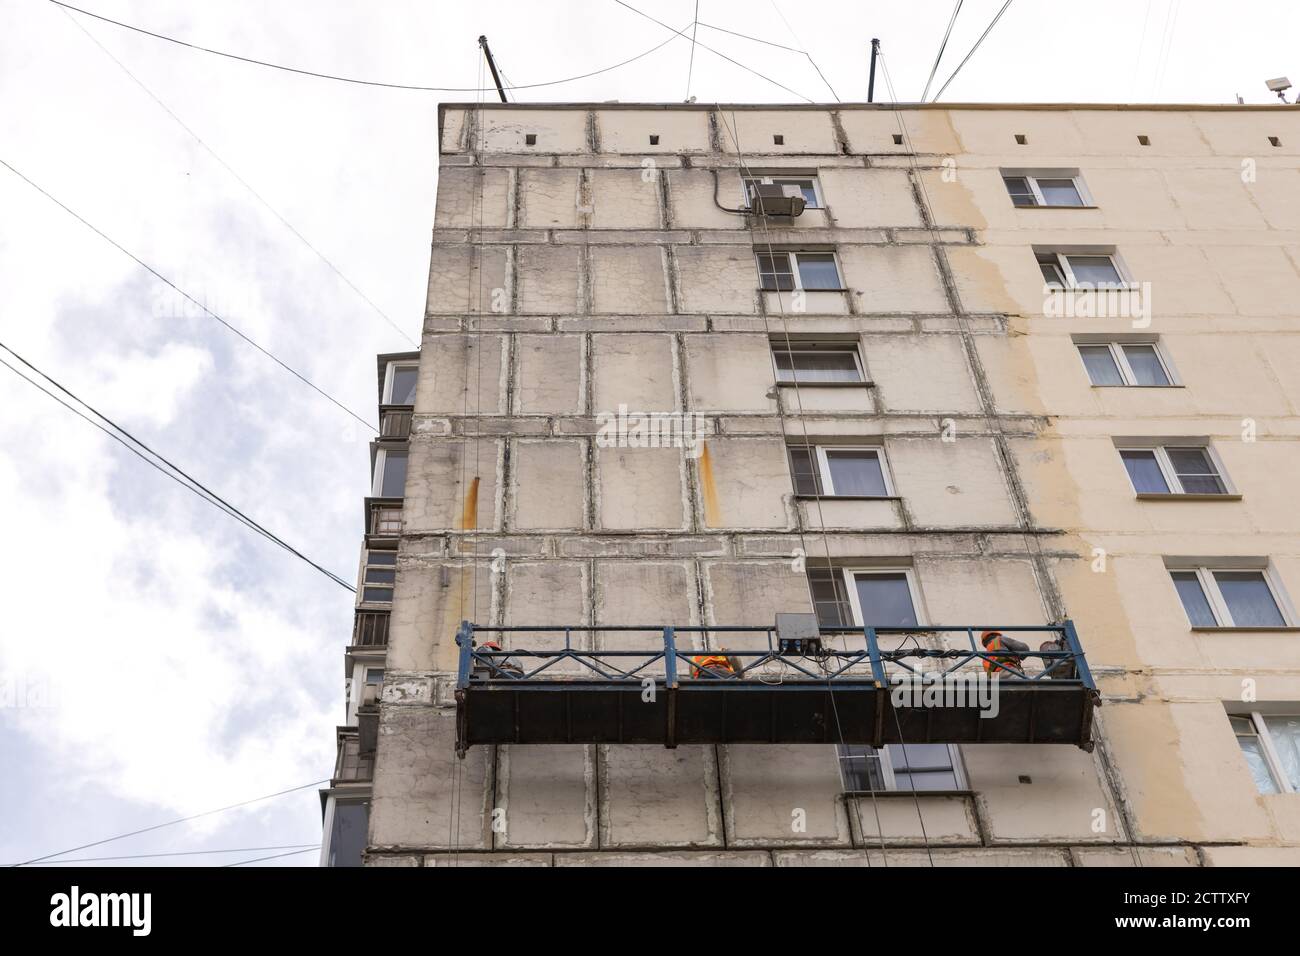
(733,130)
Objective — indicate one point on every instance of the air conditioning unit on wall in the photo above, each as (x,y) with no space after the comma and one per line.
(772,199)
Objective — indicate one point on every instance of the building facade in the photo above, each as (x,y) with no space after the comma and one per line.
(969,367)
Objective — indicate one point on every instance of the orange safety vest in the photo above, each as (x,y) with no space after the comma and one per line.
(716,662)
(995,662)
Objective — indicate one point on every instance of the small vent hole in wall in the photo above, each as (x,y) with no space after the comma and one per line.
(654,139)
(1274,141)
(778,139)
(898,139)
(1024,778)
(1021,139)
(1144,140)
(530,139)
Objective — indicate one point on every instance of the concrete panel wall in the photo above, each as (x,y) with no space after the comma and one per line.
(633,370)
(600,279)
(629,279)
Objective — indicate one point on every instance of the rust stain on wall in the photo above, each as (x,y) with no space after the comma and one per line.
(709,489)
(469,517)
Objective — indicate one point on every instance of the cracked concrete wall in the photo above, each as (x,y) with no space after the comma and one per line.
(605,274)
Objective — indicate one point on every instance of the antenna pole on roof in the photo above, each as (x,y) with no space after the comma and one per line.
(492,65)
(871,81)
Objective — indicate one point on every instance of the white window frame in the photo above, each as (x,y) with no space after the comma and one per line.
(851,590)
(327,832)
(1172,481)
(381,463)
(824,469)
(1031,180)
(1219,607)
(1129,379)
(389,373)
(355,688)
(822,347)
(1271,758)
(1071,283)
(792,255)
(362,584)
(890,780)
(782,179)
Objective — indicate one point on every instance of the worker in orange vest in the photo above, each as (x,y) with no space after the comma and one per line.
(718,666)
(1004,653)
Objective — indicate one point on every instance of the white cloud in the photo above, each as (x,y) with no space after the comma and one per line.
(193,664)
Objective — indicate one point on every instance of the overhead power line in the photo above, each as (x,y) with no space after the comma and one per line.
(804,50)
(152,458)
(779,46)
(746,36)
(987,31)
(277,856)
(168,282)
(238,178)
(297,847)
(682,33)
(943,45)
(690,67)
(171,823)
(352,79)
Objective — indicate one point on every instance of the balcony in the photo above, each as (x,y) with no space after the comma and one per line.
(353,764)
(383,519)
(368,718)
(395,422)
(872,685)
(370,629)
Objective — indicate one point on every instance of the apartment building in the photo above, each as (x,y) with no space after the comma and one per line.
(731,424)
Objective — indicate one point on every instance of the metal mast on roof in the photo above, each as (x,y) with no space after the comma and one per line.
(492,65)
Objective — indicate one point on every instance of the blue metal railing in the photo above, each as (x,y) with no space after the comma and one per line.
(1059,659)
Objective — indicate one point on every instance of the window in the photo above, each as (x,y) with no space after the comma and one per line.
(399,383)
(808,187)
(849,597)
(386,522)
(374,675)
(390,472)
(919,767)
(813,363)
(1174,470)
(378,576)
(786,271)
(1064,188)
(345,829)
(1125,363)
(1080,270)
(353,765)
(1271,746)
(856,471)
(1228,597)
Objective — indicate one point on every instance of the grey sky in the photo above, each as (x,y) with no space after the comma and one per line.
(180,663)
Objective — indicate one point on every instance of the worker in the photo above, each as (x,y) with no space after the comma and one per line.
(501,667)
(1064,669)
(719,666)
(1004,653)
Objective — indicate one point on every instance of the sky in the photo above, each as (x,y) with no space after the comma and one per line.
(156,659)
